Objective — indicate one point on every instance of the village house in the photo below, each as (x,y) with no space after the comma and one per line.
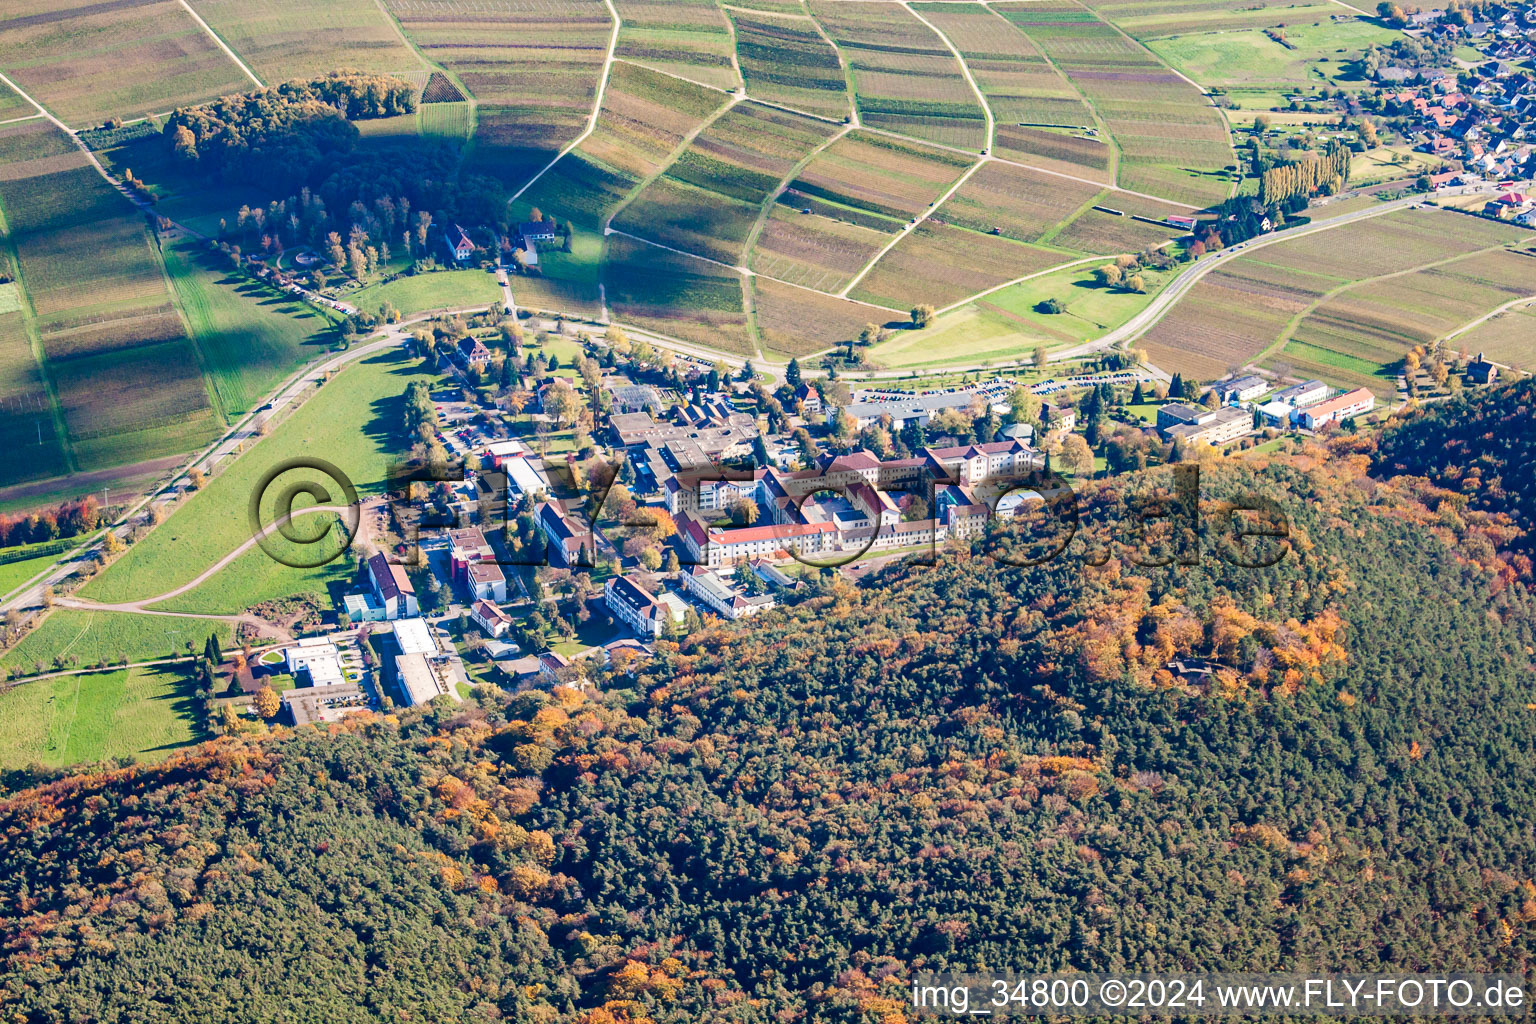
(456,241)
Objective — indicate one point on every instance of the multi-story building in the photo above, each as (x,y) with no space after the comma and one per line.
(1240,389)
(491,619)
(1301,395)
(570,542)
(392,588)
(635,606)
(1193,424)
(1336,410)
(721,597)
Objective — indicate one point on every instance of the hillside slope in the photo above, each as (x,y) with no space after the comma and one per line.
(958,766)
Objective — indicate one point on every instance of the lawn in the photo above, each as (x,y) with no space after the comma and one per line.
(446,289)
(354,423)
(87,637)
(144,713)
(14,574)
(1005,325)
(255,577)
(251,336)
(1249,57)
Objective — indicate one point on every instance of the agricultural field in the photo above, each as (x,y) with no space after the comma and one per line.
(1173,142)
(28,432)
(709,199)
(143,713)
(88,61)
(283,40)
(880,175)
(1017,202)
(645,116)
(789,62)
(941,264)
(905,79)
(12,105)
(1118,222)
(795,322)
(356,425)
(1083,153)
(1230,316)
(681,37)
(1343,304)
(1008,324)
(1318,51)
(1146,19)
(14,574)
(676,295)
(1020,85)
(251,337)
(1368,328)
(1505,338)
(89,637)
(125,377)
(532,66)
(814,251)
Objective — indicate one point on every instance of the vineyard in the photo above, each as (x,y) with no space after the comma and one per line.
(689,38)
(91,61)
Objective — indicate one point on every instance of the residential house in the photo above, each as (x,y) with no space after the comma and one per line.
(460,248)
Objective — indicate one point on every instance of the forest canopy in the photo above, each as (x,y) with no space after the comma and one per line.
(283,134)
(957,766)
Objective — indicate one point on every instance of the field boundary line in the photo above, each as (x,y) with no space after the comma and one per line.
(842,62)
(913,225)
(766,209)
(231,54)
(1469,325)
(1202,90)
(672,158)
(1287,335)
(730,30)
(1032,167)
(18,120)
(681,78)
(986,108)
(597,103)
(1098,119)
(1019,280)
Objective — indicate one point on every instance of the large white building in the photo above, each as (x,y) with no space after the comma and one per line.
(317,660)
(1336,410)
(635,606)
